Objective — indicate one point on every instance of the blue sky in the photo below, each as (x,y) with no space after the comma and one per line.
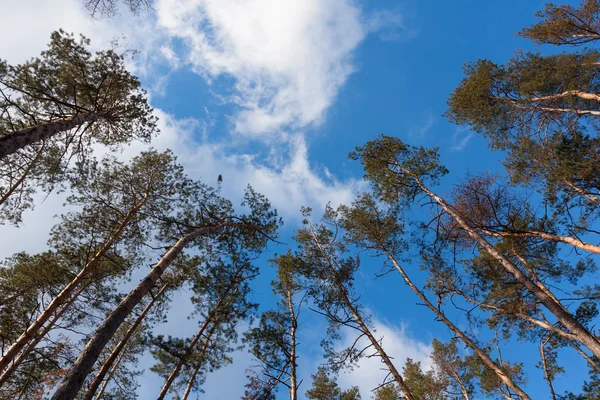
(276,94)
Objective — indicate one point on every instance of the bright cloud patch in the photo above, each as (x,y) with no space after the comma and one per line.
(289,58)
(289,184)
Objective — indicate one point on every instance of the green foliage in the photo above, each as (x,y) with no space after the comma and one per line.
(325,387)
(392,167)
(423,385)
(566,24)
(387,392)
(65,81)
(273,342)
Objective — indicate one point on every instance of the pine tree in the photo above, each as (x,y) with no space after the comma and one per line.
(330,275)
(119,204)
(52,108)
(274,341)
(204,222)
(326,388)
(398,173)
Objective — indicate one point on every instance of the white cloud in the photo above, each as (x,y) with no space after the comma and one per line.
(288,58)
(289,182)
(461,138)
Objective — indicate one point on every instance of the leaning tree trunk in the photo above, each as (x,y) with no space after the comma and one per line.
(190,349)
(190,385)
(364,328)
(472,345)
(71,384)
(106,366)
(37,338)
(175,372)
(15,141)
(110,375)
(64,295)
(582,335)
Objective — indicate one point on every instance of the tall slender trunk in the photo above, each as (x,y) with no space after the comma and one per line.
(188,352)
(543,343)
(69,387)
(363,327)
(110,375)
(458,380)
(190,385)
(190,349)
(62,297)
(472,345)
(583,336)
(293,366)
(89,395)
(37,338)
(15,141)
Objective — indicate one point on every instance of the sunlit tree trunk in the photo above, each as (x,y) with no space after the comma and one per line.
(71,384)
(472,345)
(14,141)
(364,328)
(106,366)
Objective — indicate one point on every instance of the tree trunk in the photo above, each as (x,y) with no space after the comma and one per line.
(568,93)
(69,387)
(15,141)
(543,343)
(188,352)
(480,353)
(37,338)
(190,385)
(21,179)
(582,192)
(110,375)
(62,297)
(89,395)
(463,389)
(564,317)
(294,327)
(364,328)
(177,369)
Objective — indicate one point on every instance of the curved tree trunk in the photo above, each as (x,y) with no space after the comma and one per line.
(71,384)
(15,141)
(64,295)
(106,366)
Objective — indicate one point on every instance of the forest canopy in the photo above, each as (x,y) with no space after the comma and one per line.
(498,263)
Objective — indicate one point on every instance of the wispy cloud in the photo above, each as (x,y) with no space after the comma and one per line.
(421,129)
(461,138)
